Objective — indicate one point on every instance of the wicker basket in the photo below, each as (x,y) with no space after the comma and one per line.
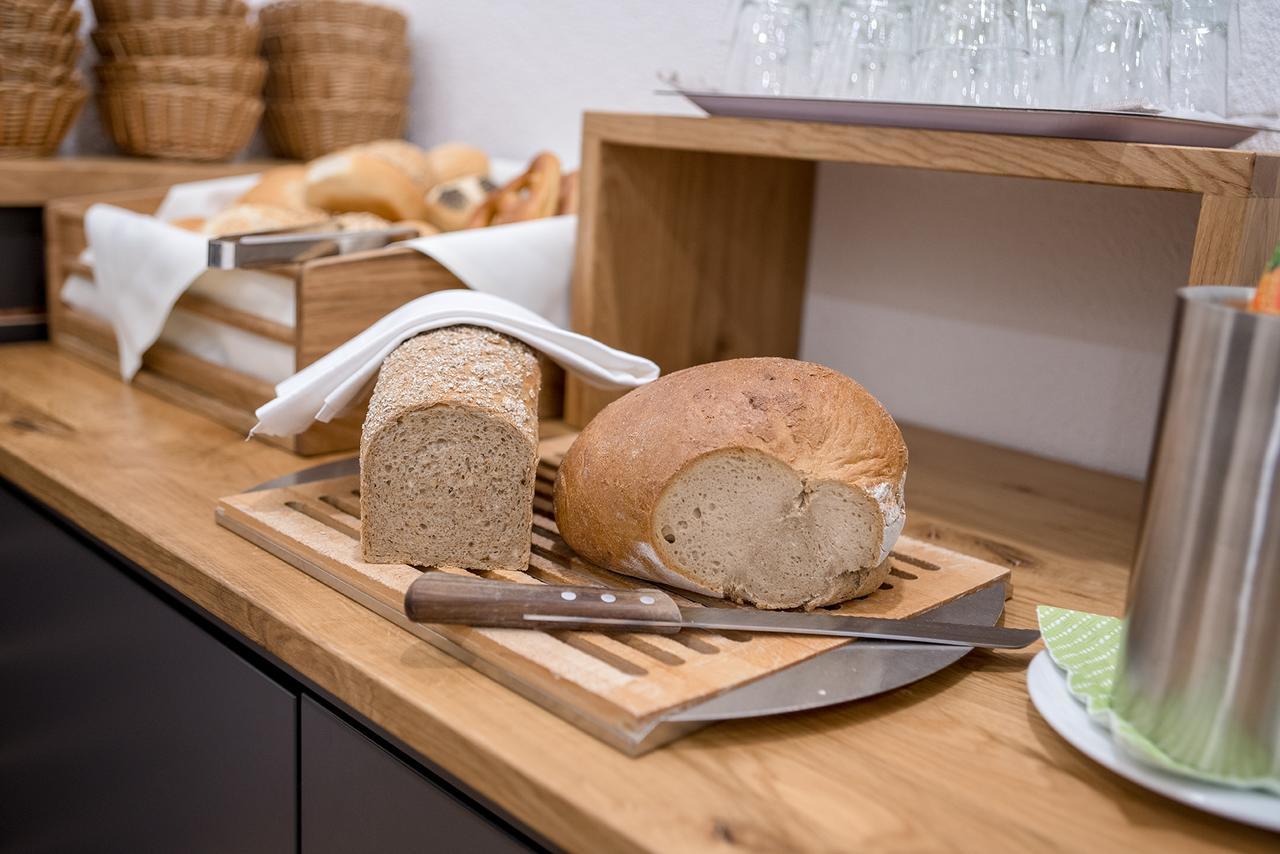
(243,75)
(39,16)
(26,71)
(307,129)
(122,11)
(312,39)
(340,78)
(184,122)
(35,118)
(290,14)
(178,37)
(46,49)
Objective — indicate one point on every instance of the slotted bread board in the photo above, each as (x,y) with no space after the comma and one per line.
(617,687)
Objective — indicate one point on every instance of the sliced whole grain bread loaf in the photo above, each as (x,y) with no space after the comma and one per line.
(449,452)
(768,481)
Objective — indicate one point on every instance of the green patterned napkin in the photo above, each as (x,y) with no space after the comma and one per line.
(1086,646)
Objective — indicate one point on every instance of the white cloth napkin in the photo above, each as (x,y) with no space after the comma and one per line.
(141,266)
(529,263)
(323,389)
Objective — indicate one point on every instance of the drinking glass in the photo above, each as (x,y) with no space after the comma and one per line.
(1046,22)
(870,51)
(1198,56)
(974,52)
(1122,57)
(769,49)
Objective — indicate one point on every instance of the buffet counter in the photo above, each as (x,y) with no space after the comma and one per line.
(955,761)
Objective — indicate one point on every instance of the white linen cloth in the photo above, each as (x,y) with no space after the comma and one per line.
(142,264)
(323,389)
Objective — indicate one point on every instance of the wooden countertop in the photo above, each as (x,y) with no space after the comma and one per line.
(958,761)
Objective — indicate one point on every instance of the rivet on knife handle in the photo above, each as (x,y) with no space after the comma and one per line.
(439,597)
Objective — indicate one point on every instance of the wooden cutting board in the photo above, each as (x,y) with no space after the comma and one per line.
(617,687)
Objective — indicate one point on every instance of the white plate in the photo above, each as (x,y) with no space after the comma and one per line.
(1071,124)
(1048,687)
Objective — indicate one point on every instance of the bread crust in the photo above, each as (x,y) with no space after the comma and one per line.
(361,182)
(819,422)
(465,368)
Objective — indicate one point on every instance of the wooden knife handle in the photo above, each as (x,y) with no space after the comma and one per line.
(439,597)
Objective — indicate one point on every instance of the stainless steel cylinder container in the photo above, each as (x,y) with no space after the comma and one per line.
(1199,669)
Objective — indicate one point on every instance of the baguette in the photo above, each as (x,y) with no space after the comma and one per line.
(449,452)
(770,482)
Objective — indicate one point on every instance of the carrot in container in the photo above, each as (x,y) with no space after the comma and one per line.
(1266,298)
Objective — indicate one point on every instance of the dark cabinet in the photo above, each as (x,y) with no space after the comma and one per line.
(130,722)
(358,796)
(124,726)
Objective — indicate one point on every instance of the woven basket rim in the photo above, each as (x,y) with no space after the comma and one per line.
(339,61)
(185,61)
(350,105)
(22,36)
(201,21)
(175,91)
(69,87)
(231,8)
(290,13)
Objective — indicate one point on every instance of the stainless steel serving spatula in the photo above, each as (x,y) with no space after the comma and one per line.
(438,597)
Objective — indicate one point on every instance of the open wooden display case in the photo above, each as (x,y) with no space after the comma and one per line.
(693,234)
(335,299)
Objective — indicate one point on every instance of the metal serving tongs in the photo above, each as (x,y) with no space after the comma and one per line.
(296,246)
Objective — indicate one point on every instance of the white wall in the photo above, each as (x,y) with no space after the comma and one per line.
(1027,313)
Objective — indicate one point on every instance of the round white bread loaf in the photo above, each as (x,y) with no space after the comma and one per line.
(767,481)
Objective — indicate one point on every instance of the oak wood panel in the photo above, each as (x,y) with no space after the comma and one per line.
(688,257)
(34,182)
(1235,238)
(1123,164)
(958,761)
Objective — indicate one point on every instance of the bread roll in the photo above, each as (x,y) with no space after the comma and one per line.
(767,481)
(281,187)
(532,195)
(246,219)
(452,160)
(451,205)
(360,181)
(357,222)
(449,452)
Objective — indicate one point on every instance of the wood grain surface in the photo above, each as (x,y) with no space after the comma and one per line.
(618,687)
(32,182)
(1217,171)
(960,761)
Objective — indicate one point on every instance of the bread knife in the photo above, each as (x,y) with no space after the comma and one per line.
(440,597)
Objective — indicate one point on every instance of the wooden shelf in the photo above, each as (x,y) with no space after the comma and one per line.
(693,234)
(30,183)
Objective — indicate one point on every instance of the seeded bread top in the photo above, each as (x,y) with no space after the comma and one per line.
(466,366)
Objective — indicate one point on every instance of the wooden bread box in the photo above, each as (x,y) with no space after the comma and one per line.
(334,300)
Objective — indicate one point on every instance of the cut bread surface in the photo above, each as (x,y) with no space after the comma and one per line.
(767,481)
(448,453)
(749,525)
(450,486)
